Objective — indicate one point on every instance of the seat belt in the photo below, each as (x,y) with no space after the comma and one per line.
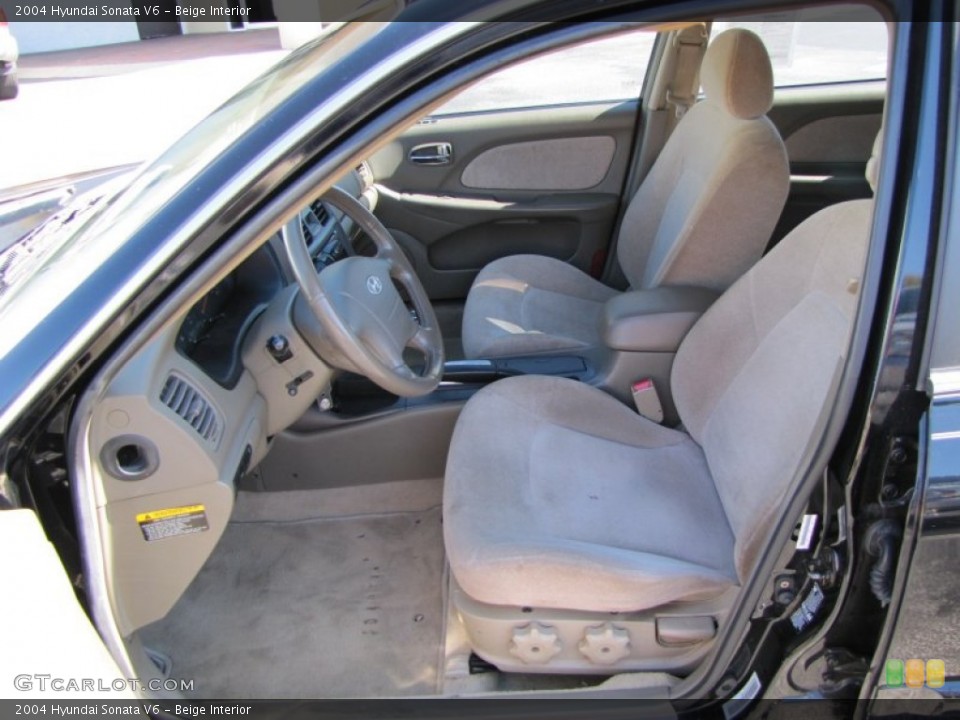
(690,45)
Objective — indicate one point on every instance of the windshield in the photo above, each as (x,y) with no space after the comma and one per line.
(90,229)
(173,169)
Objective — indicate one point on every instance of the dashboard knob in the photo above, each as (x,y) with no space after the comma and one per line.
(279,348)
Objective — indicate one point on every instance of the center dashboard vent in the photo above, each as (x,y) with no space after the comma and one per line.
(313,220)
(190,404)
(320,211)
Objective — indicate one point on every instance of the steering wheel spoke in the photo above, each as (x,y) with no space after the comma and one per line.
(425,339)
(389,352)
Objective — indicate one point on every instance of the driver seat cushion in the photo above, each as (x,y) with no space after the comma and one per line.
(526,304)
(571,500)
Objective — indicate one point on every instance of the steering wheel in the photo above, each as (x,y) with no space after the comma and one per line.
(360,312)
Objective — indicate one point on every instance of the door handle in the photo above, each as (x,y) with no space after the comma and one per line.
(432,154)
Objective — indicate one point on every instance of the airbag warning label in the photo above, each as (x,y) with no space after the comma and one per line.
(172,522)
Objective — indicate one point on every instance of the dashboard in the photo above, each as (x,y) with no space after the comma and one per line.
(213,331)
(194,408)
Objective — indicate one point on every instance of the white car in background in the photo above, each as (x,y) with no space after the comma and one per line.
(9,53)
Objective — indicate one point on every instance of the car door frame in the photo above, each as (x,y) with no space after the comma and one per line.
(225,247)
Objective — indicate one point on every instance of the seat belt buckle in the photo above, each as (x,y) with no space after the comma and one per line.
(680,104)
(646,400)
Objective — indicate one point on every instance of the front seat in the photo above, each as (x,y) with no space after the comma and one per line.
(702,216)
(578,531)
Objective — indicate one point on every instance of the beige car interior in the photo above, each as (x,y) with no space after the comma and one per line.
(473,535)
(701,217)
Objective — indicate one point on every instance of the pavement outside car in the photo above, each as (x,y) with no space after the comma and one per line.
(92,108)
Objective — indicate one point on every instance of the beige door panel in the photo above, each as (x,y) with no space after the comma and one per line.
(828,131)
(457,236)
(460,191)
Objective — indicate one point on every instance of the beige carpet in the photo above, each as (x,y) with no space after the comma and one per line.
(347,606)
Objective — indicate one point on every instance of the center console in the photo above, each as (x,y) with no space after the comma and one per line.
(486,371)
(641,332)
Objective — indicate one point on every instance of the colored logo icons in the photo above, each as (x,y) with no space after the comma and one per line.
(915,673)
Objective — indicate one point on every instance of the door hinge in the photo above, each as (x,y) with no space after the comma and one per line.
(843,673)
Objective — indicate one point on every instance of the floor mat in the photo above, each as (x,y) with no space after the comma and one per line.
(334,607)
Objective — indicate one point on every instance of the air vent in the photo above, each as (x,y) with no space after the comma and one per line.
(320,211)
(313,220)
(187,402)
(307,232)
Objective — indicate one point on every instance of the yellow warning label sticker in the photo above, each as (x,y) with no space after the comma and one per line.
(169,512)
(171,522)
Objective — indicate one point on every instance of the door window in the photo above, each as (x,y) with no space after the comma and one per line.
(820,46)
(609,69)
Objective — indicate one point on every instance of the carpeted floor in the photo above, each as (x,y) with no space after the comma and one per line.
(347,606)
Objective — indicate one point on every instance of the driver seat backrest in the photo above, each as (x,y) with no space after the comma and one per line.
(706,210)
(753,376)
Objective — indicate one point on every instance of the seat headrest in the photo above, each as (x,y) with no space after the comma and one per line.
(736,74)
(873,164)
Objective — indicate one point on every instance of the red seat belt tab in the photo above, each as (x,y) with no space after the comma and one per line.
(646,400)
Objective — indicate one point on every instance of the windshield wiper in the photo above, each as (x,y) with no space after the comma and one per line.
(17,261)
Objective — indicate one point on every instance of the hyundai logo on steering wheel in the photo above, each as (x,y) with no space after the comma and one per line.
(374,285)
